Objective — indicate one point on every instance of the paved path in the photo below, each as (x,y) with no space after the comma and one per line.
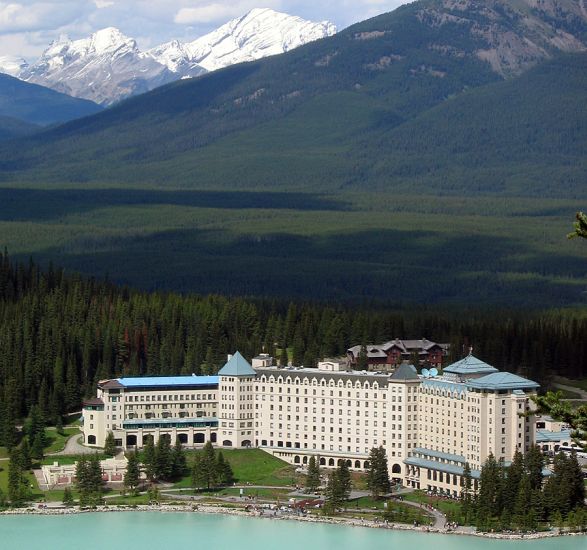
(73,446)
(439,517)
(582,393)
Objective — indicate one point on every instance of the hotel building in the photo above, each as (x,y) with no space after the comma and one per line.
(429,426)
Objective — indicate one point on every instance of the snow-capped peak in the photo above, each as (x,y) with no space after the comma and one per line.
(12,65)
(259,33)
(108,65)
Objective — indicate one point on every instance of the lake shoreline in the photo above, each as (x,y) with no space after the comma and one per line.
(213,509)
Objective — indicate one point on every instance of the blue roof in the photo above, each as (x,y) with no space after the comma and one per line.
(433,465)
(502,381)
(168,381)
(438,454)
(542,436)
(237,366)
(470,365)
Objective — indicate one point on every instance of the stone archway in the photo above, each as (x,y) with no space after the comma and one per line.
(322,461)
(131,440)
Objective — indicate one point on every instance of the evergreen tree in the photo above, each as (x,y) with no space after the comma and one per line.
(149,459)
(466,494)
(205,471)
(332,493)
(378,480)
(110,445)
(163,459)
(344,481)
(67,497)
(37,449)
(534,461)
(522,505)
(25,453)
(133,473)
(313,475)
(223,470)
(178,460)
(18,489)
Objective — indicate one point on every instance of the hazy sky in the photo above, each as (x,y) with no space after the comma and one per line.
(28,26)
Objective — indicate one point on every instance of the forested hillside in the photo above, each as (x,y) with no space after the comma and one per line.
(432,155)
(61,333)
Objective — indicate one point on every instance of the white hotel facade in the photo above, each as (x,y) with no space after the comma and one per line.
(429,427)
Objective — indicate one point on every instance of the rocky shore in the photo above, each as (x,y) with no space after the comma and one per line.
(218,509)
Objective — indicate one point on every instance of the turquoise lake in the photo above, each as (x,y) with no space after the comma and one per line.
(167,531)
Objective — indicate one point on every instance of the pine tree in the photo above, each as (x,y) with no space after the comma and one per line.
(224,472)
(534,462)
(18,490)
(378,480)
(344,481)
(332,493)
(313,475)
(110,445)
(466,494)
(37,448)
(205,471)
(178,460)
(163,459)
(149,459)
(67,497)
(133,472)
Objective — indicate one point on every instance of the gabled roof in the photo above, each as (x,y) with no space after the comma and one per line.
(405,372)
(237,365)
(502,381)
(470,365)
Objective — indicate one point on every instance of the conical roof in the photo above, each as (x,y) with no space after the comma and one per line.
(237,365)
(470,365)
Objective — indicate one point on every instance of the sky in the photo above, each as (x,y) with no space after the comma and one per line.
(27,27)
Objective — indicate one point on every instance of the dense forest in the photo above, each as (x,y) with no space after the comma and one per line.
(60,333)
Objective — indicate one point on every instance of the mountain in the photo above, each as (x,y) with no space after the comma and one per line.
(108,66)
(12,128)
(395,160)
(38,105)
(103,68)
(12,65)
(260,33)
(376,76)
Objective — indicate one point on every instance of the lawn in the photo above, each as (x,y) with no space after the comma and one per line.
(451,508)
(56,441)
(253,467)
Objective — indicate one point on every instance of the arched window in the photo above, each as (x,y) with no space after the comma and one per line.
(396,469)
(322,461)
(296,459)
(213,437)
(357,464)
(305,460)
(227,443)
(91,439)
(246,443)
(199,438)
(331,462)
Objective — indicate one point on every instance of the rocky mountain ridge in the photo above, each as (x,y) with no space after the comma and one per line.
(109,66)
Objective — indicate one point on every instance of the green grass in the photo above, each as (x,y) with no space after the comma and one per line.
(57,441)
(581,384)
(451,508)
(253,467)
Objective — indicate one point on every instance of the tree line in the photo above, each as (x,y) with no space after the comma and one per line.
(60,333)
(519,497)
